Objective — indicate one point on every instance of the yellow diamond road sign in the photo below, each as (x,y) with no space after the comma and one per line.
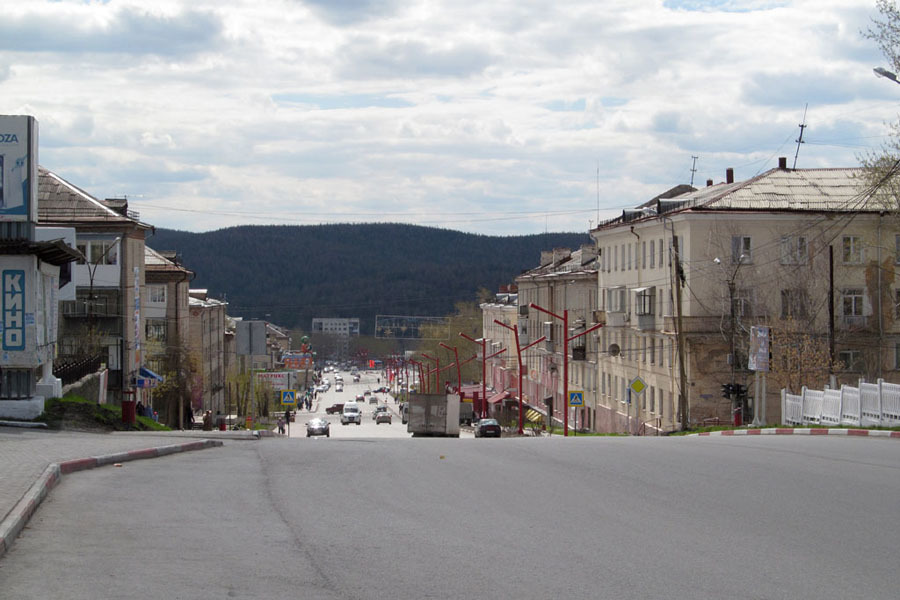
(637,385)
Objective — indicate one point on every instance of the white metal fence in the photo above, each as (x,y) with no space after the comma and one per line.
(869,404)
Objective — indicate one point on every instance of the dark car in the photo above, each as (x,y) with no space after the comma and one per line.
(487,428)
(318,427)
(335,409)
(382,390)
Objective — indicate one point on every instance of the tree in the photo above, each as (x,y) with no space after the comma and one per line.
(881,168)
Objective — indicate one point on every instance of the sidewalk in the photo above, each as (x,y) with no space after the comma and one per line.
(33,460)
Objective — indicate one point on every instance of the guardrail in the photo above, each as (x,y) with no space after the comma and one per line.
(867,405)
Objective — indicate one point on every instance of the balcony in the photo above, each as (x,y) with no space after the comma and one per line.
(646,322)
(710,324)
(616,319)
(854,322)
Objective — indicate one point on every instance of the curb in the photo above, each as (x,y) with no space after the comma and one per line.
(11,526)
(800,431)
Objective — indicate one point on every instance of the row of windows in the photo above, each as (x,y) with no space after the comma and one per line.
(637,255)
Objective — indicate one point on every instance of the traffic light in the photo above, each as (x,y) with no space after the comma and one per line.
(740,391)
(727,390)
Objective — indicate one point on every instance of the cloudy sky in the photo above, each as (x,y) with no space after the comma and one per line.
(498,117)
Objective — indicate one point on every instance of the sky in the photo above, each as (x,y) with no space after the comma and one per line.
(505,117)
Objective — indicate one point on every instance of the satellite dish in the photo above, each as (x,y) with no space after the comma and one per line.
(614,350)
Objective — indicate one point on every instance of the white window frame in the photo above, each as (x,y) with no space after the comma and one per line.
(741,245)
(852,250)
(794,250)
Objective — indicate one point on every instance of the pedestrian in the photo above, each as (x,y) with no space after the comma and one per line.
(188,421)
(207,421)
(281,425)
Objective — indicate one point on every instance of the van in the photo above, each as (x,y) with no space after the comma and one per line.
(351,414)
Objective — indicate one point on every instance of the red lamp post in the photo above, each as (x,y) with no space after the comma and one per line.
(484,358)
(566,339)
(458,370)
(519,351)
(437,373)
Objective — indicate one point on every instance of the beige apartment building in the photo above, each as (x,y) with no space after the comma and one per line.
(564,281)
(807,253)
(207,347)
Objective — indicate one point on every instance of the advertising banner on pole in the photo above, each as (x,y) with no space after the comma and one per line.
(18,168)
(759,349)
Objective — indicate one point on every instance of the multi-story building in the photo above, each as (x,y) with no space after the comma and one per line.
(807,253)
(502,371)
(106,319)
(564,281)
(207,348)
(167,328)
(339,332)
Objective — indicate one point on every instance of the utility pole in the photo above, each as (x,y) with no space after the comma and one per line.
(683,407)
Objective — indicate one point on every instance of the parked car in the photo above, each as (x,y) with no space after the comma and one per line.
(382,390)
(383,417)
(360,398)
(339,387)
(356,378)
(367,393)
(318,427)
(335,409)
(351,414)
(487,428)
(373,400)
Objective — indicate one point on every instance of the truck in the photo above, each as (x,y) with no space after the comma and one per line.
(434,415)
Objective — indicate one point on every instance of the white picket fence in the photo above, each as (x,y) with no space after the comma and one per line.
(869,404)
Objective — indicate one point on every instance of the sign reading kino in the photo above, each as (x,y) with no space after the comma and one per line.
(13,309)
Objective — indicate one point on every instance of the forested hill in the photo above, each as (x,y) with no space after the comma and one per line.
(290,274)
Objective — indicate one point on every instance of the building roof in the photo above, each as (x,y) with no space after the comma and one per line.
(156,262)
(60,202)
(776,190)
(583,260)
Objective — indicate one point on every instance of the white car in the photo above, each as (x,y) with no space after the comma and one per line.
(351,414)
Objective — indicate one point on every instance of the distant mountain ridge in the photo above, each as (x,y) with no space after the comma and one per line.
(289,274)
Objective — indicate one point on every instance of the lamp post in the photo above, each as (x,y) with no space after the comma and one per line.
(458,371)
(437,373)
(484,358)
(740,262)
(566,339)
(519,351)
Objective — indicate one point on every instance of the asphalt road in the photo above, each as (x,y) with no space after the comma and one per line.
(761,517)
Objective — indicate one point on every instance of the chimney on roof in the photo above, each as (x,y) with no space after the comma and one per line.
(729,175)
(709,183)
(546,257)
(504,289)
(120,205)
(561,254)
(588,253)
(782,163)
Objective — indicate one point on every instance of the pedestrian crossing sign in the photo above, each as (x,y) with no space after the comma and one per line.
(289,396)
(576,398)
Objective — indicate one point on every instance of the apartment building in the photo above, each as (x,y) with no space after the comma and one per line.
(207,348)
(564,282)
(807,253)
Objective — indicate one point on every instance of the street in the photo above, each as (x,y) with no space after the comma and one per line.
(763,517)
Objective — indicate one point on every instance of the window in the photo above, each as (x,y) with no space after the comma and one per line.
(851,253)
(852,302)
(897,304)
(629,257)
(643,255)
(652,352)
(615,258)
(155,330)
(851,360)
(740,247)
(743,302)
(157,293)
(653,253)
(794,250)
(652,399)
(897,249)
(617,299)
(794,304)
(897,356)
(103,253)
(16,383)
(644,301)
(660,246)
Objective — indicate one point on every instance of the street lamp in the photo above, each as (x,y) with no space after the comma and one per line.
(566,339)
(882,72)
(740,262)
(437,373)
(482,341)
(458,371)
(519,350)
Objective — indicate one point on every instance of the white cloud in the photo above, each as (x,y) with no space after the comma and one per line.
(491,117)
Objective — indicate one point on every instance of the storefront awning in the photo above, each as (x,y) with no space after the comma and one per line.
(498,397)
(145,372)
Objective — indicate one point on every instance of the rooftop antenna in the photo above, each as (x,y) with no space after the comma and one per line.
(800,139)
(598,192)
(693,168)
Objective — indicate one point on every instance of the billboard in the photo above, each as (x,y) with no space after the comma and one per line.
(18,168)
